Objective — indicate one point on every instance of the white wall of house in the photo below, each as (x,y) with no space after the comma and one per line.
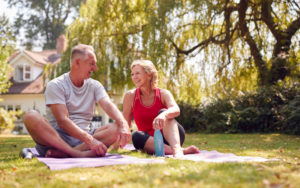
(26,102)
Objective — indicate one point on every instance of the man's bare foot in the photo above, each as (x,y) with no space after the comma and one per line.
(56,154)
(87,153)
(77,154)
(191,150)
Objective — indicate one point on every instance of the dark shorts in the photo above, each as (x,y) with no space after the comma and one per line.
(65,136)
(139,138)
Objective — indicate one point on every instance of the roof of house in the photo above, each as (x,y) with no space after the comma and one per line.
(43,57)
(34,87)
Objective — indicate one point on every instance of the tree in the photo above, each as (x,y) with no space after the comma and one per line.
(185,86)
(43,20)
(228,40)
(7,41)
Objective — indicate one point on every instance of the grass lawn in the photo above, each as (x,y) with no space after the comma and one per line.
(17,172)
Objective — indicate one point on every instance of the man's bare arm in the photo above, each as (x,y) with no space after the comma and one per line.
(61,115)
(113,112)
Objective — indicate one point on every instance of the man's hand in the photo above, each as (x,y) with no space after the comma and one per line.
(98,147)
(125,134)
(113,112)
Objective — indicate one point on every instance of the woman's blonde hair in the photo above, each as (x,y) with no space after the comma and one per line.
(149,69)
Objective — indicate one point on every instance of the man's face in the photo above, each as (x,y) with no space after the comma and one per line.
(88,65)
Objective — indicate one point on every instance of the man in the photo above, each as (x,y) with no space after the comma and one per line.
(70,101)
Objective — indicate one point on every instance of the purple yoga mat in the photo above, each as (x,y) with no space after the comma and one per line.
(115,159)
(109,159)
(217,157)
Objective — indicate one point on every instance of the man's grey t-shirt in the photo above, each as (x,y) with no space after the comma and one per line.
(80,101)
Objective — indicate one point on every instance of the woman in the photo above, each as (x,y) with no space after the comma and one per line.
(153,108)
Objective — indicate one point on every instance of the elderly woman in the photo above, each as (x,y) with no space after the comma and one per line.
(153,108)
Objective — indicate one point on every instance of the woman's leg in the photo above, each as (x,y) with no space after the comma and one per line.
(171,134)
(143,141)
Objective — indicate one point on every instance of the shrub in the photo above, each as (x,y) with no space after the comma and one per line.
(291,113)
(7,119)
(189,117)
(269,109)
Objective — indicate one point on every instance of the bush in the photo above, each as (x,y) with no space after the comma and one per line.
(270,109)
(189,117)
(7,119)
(291,113)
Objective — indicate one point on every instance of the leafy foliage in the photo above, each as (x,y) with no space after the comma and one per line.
(270,109)
(6,48)
(7,119)
(185,85)
(291,114)
(7,44)
(43,20)
(235,45)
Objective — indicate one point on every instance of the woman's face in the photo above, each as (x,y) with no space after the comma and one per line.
(139,76)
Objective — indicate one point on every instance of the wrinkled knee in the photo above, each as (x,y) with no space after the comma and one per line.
(113,130)
(30,116)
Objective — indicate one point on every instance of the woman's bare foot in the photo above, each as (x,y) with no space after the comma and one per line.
(191,150)
(56,154)
(177,151)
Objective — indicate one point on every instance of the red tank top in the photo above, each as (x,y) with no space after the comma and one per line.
(144,115)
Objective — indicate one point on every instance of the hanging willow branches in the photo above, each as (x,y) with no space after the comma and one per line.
(233,44)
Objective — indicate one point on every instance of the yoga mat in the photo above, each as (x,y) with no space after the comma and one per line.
(214,156)
(115,159)
(109,159)
(217,157)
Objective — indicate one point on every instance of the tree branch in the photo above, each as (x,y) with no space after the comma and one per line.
(203,43)
(284,42)
(267,18)
(259,62)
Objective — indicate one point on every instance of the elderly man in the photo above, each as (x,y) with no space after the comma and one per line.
(70,101)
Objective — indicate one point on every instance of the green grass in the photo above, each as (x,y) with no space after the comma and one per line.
(17,172)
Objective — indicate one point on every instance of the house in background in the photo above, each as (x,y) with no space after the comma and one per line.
(27,89)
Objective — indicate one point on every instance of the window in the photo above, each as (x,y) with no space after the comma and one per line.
(18,107)
(10,107)
(23,73)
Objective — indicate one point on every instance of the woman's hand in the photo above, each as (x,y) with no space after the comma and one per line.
(160,121)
